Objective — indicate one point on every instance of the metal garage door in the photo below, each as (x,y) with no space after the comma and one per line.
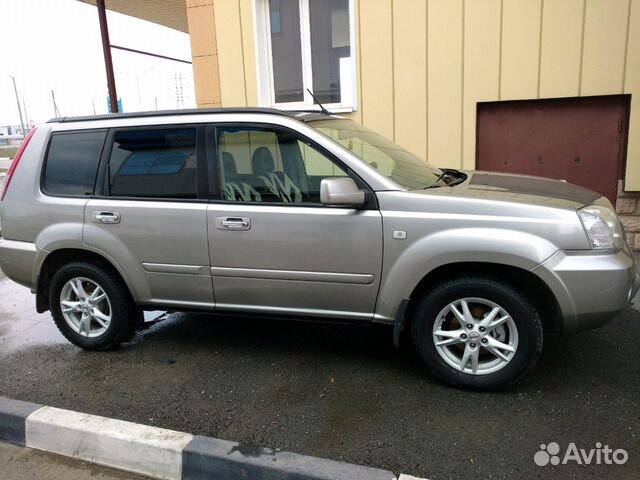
(581,140)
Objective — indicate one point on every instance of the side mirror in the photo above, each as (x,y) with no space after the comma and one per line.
(340,192)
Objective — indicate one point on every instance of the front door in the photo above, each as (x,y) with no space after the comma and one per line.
(274,247)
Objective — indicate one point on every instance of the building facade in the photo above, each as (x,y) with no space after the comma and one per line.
(543,87)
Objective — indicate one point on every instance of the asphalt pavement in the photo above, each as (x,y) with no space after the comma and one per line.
(339,392)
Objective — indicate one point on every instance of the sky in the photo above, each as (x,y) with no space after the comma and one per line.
(55,45)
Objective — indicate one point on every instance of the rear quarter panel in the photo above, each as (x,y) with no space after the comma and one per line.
(46,223)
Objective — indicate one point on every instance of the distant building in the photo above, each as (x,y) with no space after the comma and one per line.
(11,135)
(10,130)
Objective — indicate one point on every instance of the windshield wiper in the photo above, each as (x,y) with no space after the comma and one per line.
(460,177)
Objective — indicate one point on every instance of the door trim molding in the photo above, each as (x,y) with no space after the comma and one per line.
(295,275)
(179,269)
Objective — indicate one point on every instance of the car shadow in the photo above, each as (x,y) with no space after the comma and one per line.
(280,337)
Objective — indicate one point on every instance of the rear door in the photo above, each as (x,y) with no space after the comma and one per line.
(150,216)
(274,247)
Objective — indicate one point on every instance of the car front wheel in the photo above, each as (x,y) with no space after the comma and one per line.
(478,333)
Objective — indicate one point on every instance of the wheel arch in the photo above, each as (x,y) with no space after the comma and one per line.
(57,259)
(532,285)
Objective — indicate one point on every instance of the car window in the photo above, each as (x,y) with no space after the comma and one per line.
(262,165)
(72,162)
(159,162)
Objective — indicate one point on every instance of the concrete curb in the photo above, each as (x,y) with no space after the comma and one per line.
(162,453)
(13,415)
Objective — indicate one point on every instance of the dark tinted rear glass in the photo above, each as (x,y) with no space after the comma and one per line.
(72,162)
(159,162)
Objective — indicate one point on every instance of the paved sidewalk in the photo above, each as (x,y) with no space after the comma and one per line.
(20,463)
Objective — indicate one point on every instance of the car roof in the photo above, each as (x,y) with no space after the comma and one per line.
(302,115)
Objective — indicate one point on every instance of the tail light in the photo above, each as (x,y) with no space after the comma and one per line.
(15,162)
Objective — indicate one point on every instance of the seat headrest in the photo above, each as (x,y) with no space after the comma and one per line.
(229,164)
(262,161)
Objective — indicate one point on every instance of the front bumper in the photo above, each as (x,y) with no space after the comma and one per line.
(591,288)
(17,260)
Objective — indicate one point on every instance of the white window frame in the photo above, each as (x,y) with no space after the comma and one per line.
(264,61)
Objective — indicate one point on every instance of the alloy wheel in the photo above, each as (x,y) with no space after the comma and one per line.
(85,307)
(475,336)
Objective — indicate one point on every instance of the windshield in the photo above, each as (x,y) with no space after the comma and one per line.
(388,158)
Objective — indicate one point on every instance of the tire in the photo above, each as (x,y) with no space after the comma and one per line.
(117,304)
(517,340)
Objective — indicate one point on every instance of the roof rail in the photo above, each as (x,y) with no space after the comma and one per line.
(166,113)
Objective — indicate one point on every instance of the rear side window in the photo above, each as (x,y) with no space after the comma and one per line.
(72,162)
(159,162)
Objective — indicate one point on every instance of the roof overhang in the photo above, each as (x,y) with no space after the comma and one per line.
(169,13)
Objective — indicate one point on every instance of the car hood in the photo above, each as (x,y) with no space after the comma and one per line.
(524,189)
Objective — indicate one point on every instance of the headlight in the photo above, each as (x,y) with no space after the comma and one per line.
(602,227)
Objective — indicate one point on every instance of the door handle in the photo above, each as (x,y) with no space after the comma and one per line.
(233,223)
(106,217)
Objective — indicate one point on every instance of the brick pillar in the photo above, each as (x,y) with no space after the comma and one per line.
(628,208)
(204,52)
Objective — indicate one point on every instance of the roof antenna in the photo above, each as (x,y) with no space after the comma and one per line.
(322,109)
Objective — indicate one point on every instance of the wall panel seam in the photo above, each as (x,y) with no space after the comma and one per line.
(393,71)
(626,47)
(584,21)
(540,46)
(426,97)
(360,57)
(244,66)
(500,50)
(464,5)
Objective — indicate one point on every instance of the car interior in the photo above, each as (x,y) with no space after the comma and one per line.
(271,181)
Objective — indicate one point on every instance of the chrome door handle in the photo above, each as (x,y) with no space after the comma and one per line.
(106,217)
(233,223)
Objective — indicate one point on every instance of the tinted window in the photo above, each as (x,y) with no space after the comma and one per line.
(159,162)
(259,165)
(72,162)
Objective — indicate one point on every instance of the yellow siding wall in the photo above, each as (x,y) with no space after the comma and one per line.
(520,49)
(632,86)
(233,77)
(376,65)
(423,65)
(481,67)
(444,82)
(410,74)
(561,48)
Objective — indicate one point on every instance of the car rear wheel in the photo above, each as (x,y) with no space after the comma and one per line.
(91,306)
(477,333)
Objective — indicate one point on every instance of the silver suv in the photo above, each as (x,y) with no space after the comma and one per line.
(307,215)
